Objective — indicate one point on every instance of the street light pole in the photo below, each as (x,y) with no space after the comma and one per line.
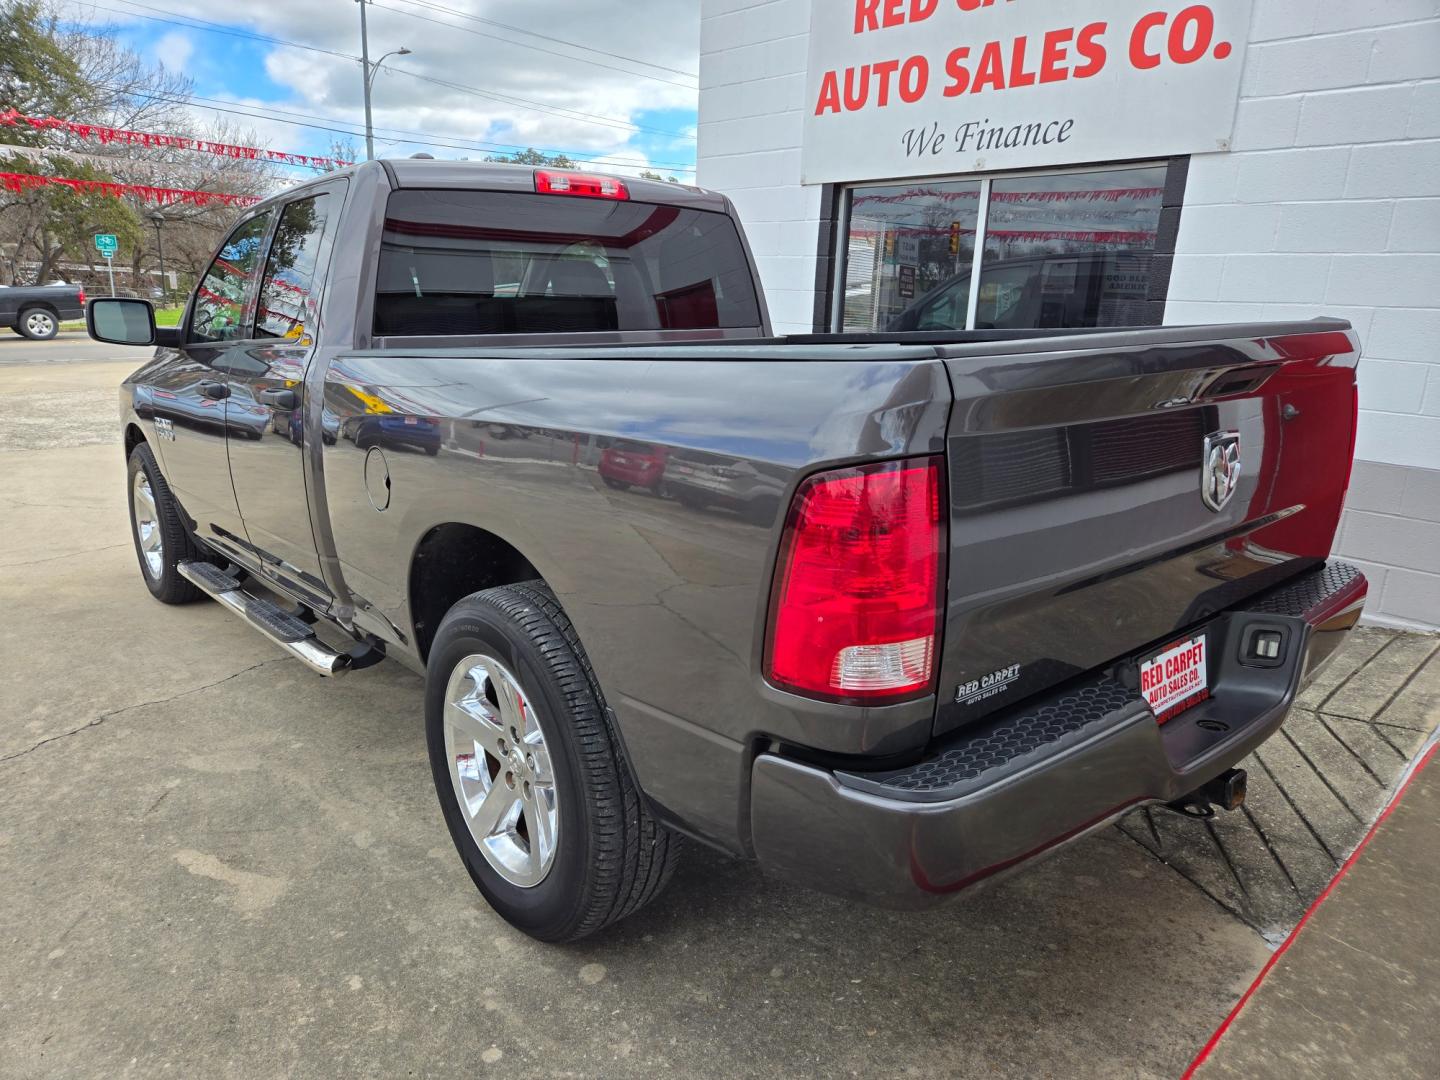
(365,71)
(368,69)
(157,219)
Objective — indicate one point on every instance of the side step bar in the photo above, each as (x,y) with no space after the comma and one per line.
(290,633)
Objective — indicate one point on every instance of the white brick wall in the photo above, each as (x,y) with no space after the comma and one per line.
(752,107)
(1329,204)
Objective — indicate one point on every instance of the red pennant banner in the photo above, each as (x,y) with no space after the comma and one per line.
(107,135)
(1113,195)
(22,182)
(1085,236)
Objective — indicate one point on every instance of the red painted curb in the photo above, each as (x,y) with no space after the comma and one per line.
(1214,1039)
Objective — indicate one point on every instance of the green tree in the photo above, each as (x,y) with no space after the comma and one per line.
(37,77)
(534,157)
(651,174)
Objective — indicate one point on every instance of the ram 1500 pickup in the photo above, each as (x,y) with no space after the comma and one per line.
(898,614)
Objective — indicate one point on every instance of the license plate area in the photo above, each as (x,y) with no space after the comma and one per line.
(1177,677)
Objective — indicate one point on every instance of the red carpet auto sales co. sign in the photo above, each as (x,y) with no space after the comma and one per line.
(904,88)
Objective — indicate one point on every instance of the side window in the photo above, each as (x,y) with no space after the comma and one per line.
(290,289)
(949,310)
(227,288)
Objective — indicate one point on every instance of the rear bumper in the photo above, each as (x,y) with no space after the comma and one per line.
(991,799)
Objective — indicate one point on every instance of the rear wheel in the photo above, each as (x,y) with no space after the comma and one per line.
(38,324)
(162,541)
(531,778)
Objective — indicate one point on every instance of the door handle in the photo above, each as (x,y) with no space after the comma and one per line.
(215,391)
(280,399)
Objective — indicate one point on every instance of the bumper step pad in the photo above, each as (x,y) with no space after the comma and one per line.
(1307,592)
(979,756)
(1004,745)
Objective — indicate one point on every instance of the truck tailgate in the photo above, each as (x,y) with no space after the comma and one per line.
(1080,530)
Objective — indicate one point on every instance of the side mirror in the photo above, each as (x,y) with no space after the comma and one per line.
(120,320)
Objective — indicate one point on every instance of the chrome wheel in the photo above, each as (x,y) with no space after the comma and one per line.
(500,770)
(40,324)
(147,526)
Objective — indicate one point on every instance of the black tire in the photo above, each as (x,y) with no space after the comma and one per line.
(618,485)
(177,544)
(611,856)
(46,324)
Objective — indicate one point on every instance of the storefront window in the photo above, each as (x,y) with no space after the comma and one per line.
(1060,251)
(904,243)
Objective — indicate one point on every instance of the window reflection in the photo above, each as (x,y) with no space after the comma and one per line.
(1060,251)
(226,289)
(286,303)
(903,243)
(1071,250)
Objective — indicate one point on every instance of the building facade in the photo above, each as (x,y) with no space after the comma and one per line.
(1295,176)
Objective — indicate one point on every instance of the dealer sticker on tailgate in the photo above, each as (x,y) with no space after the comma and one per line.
(1175,679)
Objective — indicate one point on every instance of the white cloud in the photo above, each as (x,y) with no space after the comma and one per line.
(174,50)
(563,96)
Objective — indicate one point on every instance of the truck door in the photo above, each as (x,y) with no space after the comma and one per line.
(187,387)
(266,416)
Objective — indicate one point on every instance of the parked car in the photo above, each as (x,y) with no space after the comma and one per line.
(1000,589)
(700,479)
(397,432)
(629,464)
(36,311)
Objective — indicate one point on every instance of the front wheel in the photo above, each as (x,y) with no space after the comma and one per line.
(532,781)
(161,540)
(38,324)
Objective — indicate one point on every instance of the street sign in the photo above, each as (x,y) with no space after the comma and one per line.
(107,244)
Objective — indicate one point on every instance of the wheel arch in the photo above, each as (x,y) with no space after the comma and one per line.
(133,438)
(451,561)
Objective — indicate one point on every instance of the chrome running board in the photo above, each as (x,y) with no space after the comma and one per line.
(291,634)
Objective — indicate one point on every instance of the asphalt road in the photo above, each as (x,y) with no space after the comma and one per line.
(216,864)
(68,347)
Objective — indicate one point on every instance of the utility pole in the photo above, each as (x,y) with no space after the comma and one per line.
(368,70)
(365,71)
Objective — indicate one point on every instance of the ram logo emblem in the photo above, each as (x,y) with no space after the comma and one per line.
(1220,473)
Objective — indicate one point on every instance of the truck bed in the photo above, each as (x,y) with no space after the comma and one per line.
(1078,534)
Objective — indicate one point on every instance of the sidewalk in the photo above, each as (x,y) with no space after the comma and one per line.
(1356,990)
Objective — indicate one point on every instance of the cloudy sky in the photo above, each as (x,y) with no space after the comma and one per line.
(612,82)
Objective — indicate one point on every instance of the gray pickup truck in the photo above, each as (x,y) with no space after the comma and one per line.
(892,615)
(36,311)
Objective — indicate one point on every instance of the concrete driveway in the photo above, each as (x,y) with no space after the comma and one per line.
(216,864)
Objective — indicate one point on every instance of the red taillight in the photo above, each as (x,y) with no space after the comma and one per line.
(856,612)
(82,297)
(587,185)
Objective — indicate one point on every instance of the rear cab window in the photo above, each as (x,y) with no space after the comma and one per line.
(482,263)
